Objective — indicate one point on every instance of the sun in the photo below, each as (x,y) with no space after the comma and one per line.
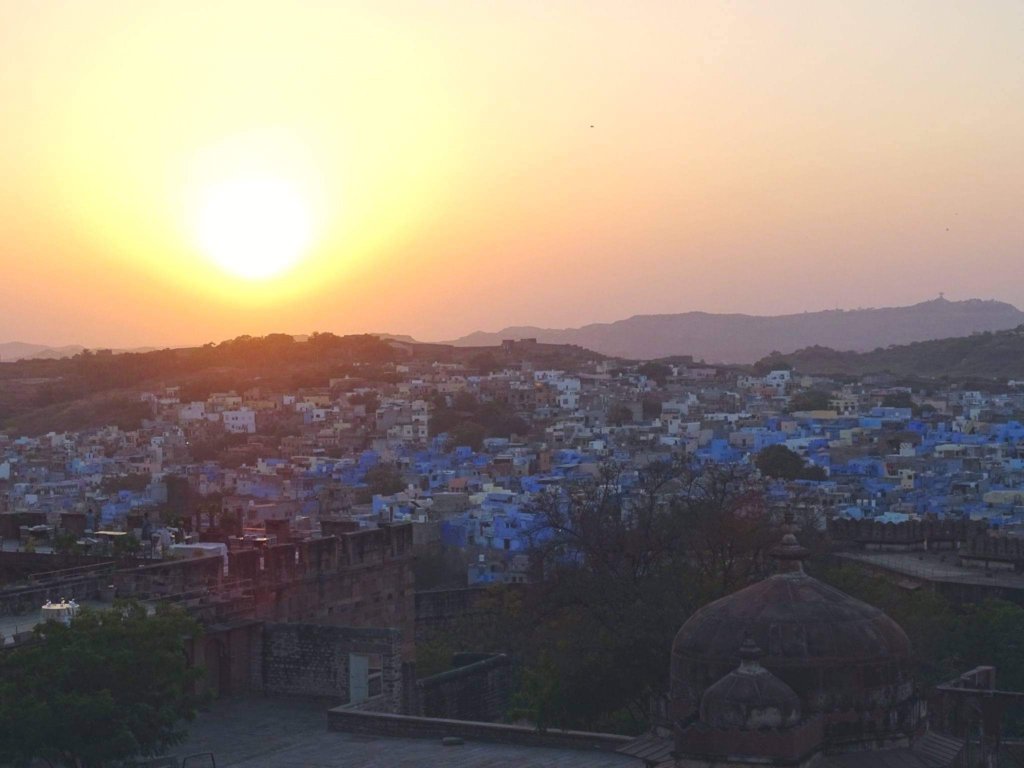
(254,228)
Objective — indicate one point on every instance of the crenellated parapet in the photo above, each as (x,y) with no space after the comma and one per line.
(912,534)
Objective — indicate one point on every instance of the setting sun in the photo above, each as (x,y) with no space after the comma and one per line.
(254,228)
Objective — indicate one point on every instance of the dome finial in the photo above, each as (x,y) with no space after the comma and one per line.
(750,655)
(749,649)
(788,551)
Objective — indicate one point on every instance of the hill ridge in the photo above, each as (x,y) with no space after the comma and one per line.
(983,355)
(744,338)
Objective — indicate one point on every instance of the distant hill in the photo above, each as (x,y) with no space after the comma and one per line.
(18,350)
(736,338)
(998,355)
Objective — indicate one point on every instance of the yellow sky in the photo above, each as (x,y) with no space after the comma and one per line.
(759,157)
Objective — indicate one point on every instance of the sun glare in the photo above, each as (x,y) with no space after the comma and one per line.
(255,229)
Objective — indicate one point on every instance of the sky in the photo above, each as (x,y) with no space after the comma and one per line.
(435,168)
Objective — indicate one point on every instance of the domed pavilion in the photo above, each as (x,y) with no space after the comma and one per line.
(792,672)
(844,659)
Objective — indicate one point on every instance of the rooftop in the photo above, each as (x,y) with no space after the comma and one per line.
(261,732)
(935,567)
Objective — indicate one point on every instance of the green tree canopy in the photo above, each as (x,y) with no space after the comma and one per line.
(624,569)
(467,416)
(780,462)
(467,433)
(111,686)
(657,372)
(949,638)
(810,400)
(485,362)
(384,479)
(620,414)
(903,400)
(651,407)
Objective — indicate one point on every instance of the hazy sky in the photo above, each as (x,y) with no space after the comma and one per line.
(471,165)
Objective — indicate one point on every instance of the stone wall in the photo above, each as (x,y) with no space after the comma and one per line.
(438,608)
(358,582)
(169,578)
(313,660)
(439,605)
(478,688)
(992,550)
(359,579)
(35,566)
(231,658)
(971,539)
(909,535)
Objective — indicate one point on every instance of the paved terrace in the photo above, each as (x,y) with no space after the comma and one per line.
(937,567)
(260,732)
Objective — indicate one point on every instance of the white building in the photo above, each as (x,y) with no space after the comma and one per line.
(242,421)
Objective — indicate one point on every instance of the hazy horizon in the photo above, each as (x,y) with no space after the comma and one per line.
(456,167)
(466,332)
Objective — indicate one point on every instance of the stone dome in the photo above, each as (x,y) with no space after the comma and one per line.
(835,652)
(750,697)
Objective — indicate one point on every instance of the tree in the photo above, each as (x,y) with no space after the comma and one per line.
(465,402)
(485,363)
(904,400)
(111,686)
(627,557)
(775,361)
(114,483)
(898,400)
(66,543)
(813,472)
(651,407)
(467,433)
(384,480)
(468,418)
(948,638)
(181,500)
(126,546)
(810,400)
(780,462)
(620,414)
(657,372)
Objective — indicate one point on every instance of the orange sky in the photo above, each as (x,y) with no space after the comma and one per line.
(762,157)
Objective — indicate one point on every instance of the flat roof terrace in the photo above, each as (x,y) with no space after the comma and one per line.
(937,567)
(261,732)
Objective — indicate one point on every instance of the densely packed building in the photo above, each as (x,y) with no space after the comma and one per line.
(293,519)
(293,458)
